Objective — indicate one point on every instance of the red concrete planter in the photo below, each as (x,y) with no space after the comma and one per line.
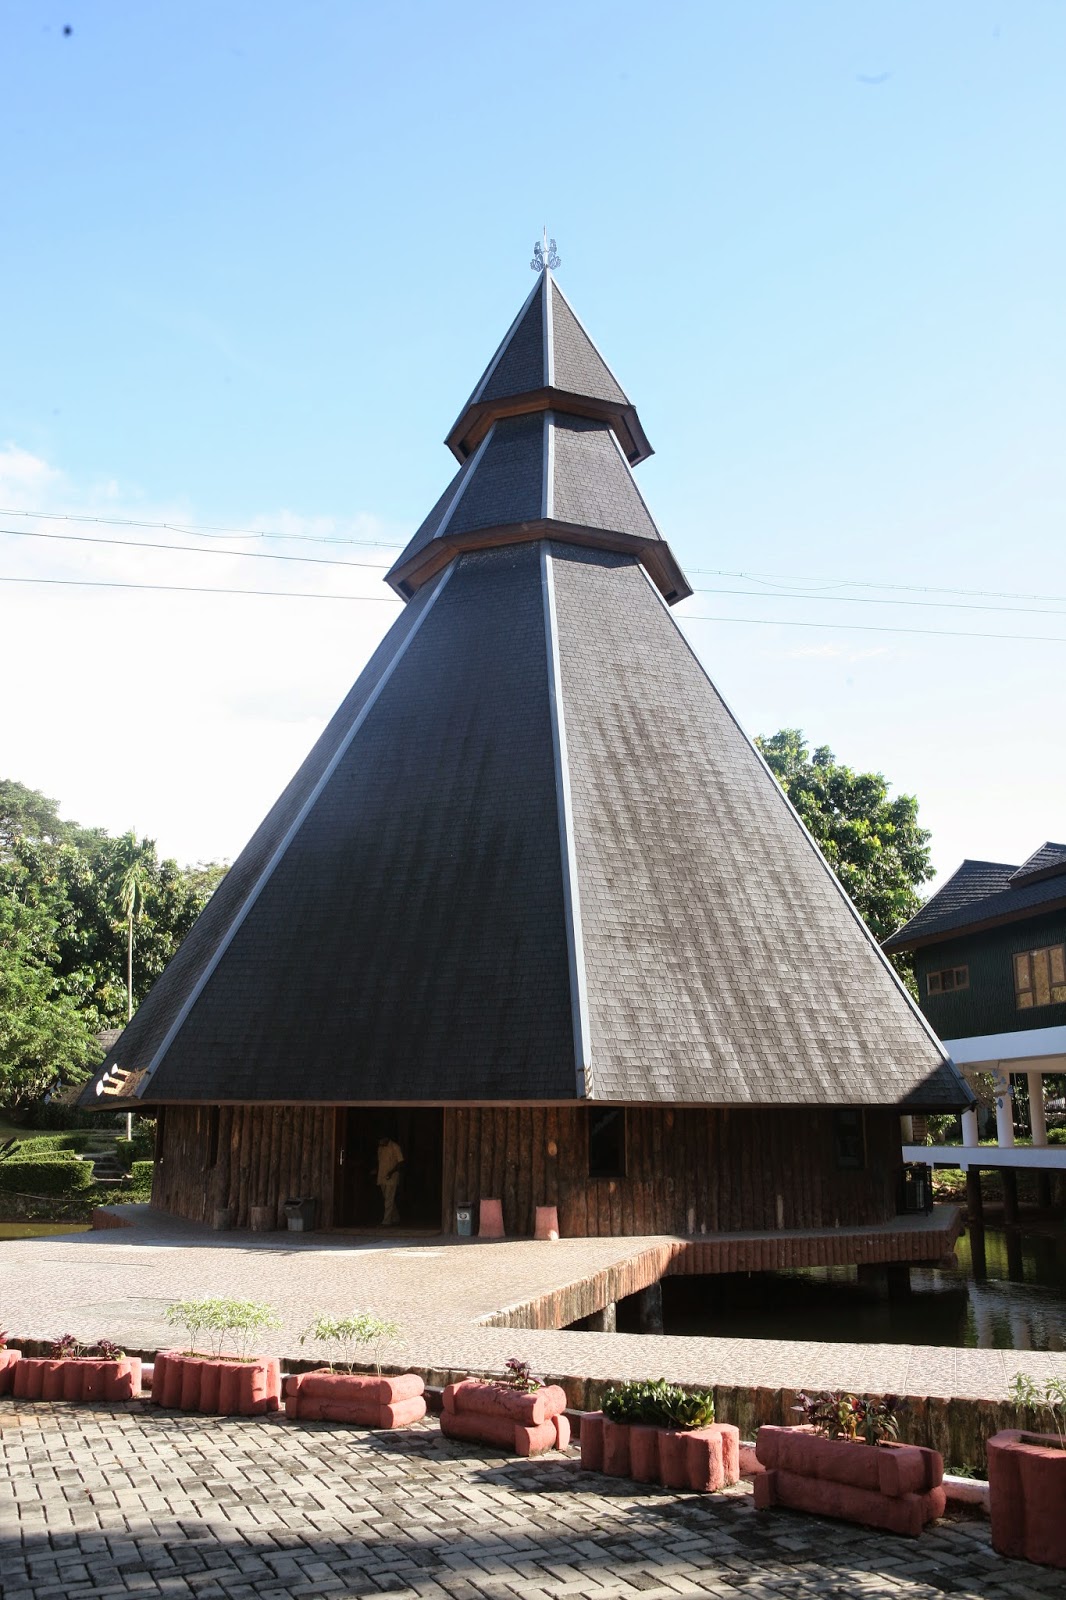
(898,1487)
(216,1387)
(75,1378)
(350,1397)
(1027,1496)
(703,1459)
(7,1369)
(491,1413)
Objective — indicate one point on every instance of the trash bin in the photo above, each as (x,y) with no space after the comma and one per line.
(464,1219)
(300,1214)
(916,1188)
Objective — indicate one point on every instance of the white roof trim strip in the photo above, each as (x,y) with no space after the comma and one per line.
(575,943)
(549,333)
(548,498)
(469,473)
(294,828)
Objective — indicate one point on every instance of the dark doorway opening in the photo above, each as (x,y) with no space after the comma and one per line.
(419,1132)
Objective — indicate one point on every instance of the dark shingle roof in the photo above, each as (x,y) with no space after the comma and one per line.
(980,894)
(1047,862)
(411,935)
(724,962)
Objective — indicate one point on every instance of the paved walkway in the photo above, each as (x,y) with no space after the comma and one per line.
(117,1284)
(98,1505)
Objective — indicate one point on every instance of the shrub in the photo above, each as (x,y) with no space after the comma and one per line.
(141,1176)
(58,1175)
(221,1321)
(660,1405)
(140,1148)
(345,1335)
(68,1345)
(1056,1136)
(49,1144)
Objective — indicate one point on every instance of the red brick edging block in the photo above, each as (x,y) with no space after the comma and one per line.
(703,1459)
(491,1413)
(347,1397)
(75,1378)
(217,1388)
(898,1487)
(7,1373)
(1027,1495)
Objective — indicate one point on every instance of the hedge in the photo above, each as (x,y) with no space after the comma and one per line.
(48,1175)
(141,1177)
(49,1143)
(141,1147)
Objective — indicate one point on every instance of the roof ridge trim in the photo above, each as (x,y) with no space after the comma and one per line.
(471,468)
(808,835)
(293,829)
(575,944)
(498,357)
(548,498)
(549,333)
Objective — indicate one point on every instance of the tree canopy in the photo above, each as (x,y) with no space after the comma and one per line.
(71,901)
(873,842)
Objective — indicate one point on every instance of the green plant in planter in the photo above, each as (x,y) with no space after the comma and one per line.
(659,1404)
(223,1322)
(346,1336)
(1027,1396)
(518,1376)
(840,1415)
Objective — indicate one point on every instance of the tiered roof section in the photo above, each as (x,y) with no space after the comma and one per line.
(547,440)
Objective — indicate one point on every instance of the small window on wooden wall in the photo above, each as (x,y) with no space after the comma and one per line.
(947,979)
(849,1140)
(1040,977)
(607,1142)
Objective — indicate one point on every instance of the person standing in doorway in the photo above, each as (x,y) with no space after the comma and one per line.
(390,1160)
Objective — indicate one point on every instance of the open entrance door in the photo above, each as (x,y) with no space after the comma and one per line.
(419,1132)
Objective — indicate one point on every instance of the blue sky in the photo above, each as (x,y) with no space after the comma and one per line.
(254,257)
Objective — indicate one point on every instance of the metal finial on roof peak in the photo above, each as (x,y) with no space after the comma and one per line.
(545,255)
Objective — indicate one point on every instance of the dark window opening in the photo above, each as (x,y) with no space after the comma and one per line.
(947,979)
(849,1140)
(607,1142)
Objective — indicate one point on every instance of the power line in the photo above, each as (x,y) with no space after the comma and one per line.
(204,530)
(191,550)
(379,566)
(189,588)
(764,622)
(863,583)
(870,627)
(874,600)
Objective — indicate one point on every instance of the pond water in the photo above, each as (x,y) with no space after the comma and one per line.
(39,1230)
(1017,1303)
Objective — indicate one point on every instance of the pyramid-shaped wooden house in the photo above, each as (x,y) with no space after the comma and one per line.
(533,906)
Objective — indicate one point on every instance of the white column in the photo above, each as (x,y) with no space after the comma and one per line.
(1004,1108)
(906,1128)
(1035,1081)
(970,1134)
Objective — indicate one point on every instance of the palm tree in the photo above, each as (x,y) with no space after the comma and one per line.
(134,862)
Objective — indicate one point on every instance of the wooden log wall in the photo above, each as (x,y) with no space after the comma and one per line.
(688,1171)
(243,1156)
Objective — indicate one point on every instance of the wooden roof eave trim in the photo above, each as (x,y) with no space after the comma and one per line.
(654,555)
(961,930)
(477,418)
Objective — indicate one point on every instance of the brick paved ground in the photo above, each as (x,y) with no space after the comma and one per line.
(101,1504)
(118,1284)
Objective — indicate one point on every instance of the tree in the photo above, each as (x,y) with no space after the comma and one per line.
(43,1035)
(873,843)
(133,862)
